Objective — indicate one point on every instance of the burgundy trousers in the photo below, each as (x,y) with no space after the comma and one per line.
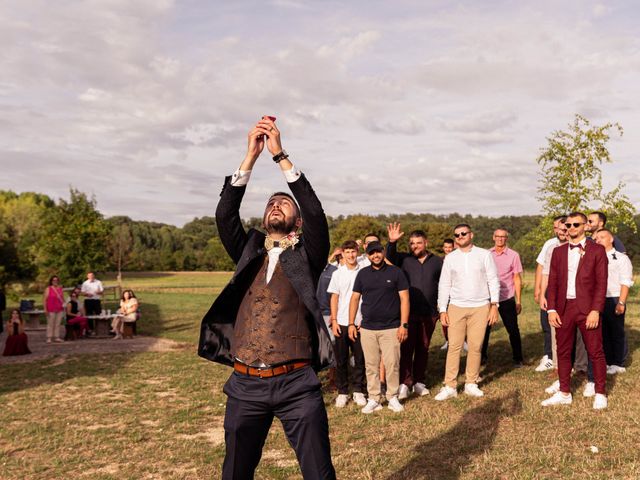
(414,351)
(565,339)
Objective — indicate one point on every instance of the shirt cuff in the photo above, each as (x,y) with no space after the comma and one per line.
(292,175)
(240,178)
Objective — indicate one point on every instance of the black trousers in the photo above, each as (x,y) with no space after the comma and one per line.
(92,306)
(342,347)
(296,400)
(509,315)
(613,338)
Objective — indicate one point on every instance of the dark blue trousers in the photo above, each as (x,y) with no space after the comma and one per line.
(296,400)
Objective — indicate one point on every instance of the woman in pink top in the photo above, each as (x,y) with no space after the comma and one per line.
(53,302)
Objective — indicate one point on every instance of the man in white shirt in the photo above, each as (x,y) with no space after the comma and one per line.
(619,281)
(468,295)
(92,290)
(546,362)
(341,288)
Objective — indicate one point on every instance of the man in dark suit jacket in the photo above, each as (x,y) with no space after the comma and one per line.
(266,323)
(575,299)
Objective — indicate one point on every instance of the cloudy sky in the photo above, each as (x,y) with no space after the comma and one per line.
(389,107)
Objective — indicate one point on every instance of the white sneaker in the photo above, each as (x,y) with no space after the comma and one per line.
(589,390)
(472,390)
(446,393)
(545,364)
(420,389)
(359,398)
(465,347)
(371,406)
(445,346)
(600,402)
(403,392)
(342,400)
(553,388)
(395,405)
(557,398)
(613,369)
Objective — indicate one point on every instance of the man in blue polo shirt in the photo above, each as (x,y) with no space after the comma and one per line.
(384,290)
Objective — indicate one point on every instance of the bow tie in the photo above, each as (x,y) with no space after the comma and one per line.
(579,245)
(284,243)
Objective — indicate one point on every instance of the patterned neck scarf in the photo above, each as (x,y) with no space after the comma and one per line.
(284,243)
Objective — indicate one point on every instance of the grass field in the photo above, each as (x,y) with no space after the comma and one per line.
(159,415)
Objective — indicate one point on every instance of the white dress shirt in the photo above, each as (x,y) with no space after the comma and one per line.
(468,279)
(574,256)
(239,179)
(620,272)
(92,290)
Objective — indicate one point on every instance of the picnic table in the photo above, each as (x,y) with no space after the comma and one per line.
(102,324)
(32,319)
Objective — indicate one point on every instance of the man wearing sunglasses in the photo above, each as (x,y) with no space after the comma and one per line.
(575,299)
(596,221)
(468,295)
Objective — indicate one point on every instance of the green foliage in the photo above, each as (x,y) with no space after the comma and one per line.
(75,239)
(571,175)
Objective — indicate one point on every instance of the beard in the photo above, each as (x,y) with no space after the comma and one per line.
(280,224)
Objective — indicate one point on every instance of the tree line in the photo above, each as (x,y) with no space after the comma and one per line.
(39,237)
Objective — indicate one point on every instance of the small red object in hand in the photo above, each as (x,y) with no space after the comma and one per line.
(273,119)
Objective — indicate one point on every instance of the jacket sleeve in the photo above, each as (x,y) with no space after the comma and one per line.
(393,255)
(230,229)
(314,226)
(552,285)
(601,274)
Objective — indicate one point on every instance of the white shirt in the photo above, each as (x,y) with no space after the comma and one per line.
(468,279)
(342,284)
(546,267)
(92,290)
(620,272)
(574,260)
(239,179)
(363,261)
(552,242)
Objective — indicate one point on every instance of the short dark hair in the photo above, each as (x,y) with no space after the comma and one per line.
(578,214)
(372,234)
(601,216)
(418,233)
(460,225)
(290,197)
(562,218)
(448,240)
(349,244)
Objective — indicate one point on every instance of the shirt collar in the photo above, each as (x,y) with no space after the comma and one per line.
(583,242)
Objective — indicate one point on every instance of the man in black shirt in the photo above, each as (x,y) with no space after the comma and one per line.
(385,322)
(422,269)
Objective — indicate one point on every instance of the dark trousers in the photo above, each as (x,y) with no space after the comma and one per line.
(414,351)
(92,306)
(343,346)
(572,320)
(296,400)
(509,316)
(613,338)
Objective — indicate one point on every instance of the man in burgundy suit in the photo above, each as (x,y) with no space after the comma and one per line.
(575,299)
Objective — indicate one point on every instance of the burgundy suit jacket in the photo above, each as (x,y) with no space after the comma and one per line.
(591,279)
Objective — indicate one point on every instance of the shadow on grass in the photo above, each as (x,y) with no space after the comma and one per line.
(446,456)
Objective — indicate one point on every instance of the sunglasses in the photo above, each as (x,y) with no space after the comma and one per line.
(461,234)
(574,224)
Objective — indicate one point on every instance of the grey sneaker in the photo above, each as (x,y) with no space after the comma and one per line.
(403,391)
(420,389)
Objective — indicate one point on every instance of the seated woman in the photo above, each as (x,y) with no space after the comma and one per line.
(127,313)
(17,342)
(75,313)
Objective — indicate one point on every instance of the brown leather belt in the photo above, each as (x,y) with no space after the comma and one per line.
(270,371)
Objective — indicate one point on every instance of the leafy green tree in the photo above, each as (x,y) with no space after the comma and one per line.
(571,175)
(75,239)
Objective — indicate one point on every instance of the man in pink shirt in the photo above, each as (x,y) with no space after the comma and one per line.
(510,275)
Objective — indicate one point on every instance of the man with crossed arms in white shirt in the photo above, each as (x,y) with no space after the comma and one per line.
(468,296)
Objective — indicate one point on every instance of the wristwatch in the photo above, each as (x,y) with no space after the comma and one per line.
(621,303)
(405,325)
(280,156)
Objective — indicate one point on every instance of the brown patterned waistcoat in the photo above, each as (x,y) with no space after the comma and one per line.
(271,325)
